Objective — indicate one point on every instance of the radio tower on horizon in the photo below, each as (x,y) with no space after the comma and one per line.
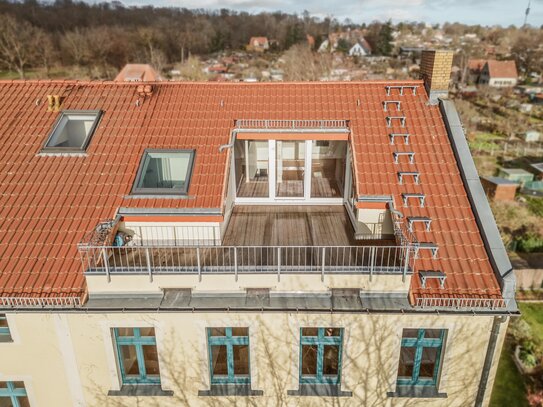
(526,14)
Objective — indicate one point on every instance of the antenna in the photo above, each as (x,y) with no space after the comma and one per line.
(526,13)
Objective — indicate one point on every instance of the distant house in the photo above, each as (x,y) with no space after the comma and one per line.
(475,67)
(138,73)
(516,174)
(538,170)
(531,136)
(499,74)
(499,189)
(258,44)
(360,49)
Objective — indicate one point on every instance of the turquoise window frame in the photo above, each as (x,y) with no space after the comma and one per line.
(13,393)
(321,340)
(420,342)
(137,341)
(229,341)
(4,331)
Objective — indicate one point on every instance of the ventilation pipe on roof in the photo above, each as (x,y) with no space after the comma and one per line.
(53,103)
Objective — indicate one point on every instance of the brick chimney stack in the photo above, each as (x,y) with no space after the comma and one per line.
(435,70)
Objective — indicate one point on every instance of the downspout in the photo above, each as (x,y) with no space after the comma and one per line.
(490,350)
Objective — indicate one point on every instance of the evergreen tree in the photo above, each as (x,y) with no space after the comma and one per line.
(384,39)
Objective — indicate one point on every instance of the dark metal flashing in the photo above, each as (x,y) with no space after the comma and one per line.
(230,390)
(479,203)
(320,390)
(149,390)
(169,211)
(427,392)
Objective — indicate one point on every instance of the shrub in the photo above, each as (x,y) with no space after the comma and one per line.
(530,242)
(521,330)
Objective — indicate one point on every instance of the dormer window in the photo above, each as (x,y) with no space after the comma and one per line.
(72,131)
(164,172)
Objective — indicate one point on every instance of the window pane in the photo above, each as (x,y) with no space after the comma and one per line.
(217,331)
(289,168)
(147,331)
(150,357)
(219,360)
(252,168)
(407,361)
(410,333)
(165,170)
(241,359)
(310,331)
(328,169)
(125,331)
(130,361)
(428,363)
(3,385)
(240,331)
(3,321)
(23,402)
(5,402)
(332,332)
(432,333)
(330,365)
(19,385)
(72,130)
(309,360)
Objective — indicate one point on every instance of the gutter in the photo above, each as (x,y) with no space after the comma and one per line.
(479,204)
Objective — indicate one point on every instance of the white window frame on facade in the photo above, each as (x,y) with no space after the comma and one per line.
(306,199)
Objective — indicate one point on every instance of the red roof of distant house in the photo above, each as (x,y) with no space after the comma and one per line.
(476,65)
(502,69)
(48,203)
(138,73)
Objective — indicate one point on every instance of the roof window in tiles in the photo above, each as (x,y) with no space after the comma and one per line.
(72,131)
(164,172)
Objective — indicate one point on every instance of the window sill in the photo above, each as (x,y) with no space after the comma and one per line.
(150,390)
(429,392)
(230,390)
(320,390)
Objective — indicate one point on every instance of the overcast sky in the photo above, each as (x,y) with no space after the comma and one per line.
(484,12)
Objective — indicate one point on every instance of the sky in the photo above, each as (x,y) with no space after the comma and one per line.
(484,12)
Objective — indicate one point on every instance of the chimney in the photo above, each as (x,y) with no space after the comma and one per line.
(435,70)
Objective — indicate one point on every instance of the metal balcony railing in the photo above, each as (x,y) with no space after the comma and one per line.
(462,303)
(157,259)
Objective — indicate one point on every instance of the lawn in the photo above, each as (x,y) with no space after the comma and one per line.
(510,387)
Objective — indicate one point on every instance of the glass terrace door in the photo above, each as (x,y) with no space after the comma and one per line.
(290,169)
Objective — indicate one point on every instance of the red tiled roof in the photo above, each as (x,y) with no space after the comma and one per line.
(49,202)
(138,72)
(502,69)
(476,65)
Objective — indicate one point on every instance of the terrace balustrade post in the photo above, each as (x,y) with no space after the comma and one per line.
(236,262)
(322,265)
(199,264)
(372,261)
(106,264)
(148,260)
(278,264)
(406,264)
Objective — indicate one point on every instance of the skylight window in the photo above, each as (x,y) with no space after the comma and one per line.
(164,172)
(73,131)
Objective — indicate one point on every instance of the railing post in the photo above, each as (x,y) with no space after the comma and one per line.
(236,263)
(106,264)
(148,260)
(322,266)
(278,264)
(406,265)
(372,261)
(199,264)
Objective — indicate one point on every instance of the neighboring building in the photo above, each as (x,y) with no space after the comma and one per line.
(499,74)
(138,73)
(258,44)
(303,244)
(499,189)
(516,174)
(475,67)
(538,170)
(360,49)
(531,136)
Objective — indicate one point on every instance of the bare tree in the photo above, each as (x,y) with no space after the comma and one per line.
(19,44)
